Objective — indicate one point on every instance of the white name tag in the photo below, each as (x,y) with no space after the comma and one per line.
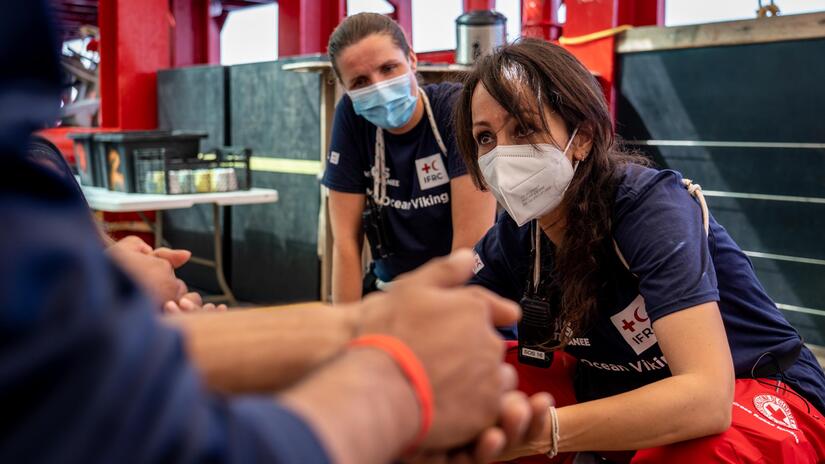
(634,325)
(431,172)
(533,354)
(334,156)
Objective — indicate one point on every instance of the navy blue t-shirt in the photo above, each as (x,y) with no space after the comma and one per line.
(419,208)
(88,373)
(658,227)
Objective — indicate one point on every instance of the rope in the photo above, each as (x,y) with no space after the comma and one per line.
(694,190)
(431,117)
(379,169)
(582,39)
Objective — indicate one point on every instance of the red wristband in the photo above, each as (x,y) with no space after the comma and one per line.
(412,368)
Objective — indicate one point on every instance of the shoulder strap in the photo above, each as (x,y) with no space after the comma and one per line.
(430,115)
(694,190)
(379,176)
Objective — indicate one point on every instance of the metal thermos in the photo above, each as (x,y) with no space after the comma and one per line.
(478,32)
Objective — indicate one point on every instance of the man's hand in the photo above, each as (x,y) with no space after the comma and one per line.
(192,303)
(176,258)
(154,270)
(451,329)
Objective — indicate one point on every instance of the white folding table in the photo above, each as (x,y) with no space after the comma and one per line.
(101,199)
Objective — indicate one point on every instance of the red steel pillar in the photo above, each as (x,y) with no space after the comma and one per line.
(589,16)
(134,43)
(403,16)
(304,26)
(539,19)
(196,34)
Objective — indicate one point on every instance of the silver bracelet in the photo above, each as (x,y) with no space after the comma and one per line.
(554,436)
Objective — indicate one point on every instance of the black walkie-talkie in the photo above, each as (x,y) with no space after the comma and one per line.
(537,331)
(377,230)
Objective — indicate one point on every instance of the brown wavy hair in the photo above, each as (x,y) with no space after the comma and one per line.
(533,74)
(357,27)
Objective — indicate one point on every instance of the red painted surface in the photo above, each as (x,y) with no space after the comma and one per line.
(556,380)
(120,225)
(193,34)
(589,16)
(642,12)
(304,26)
(214,38)
(439,56)
(403,16)
(539,19)
(134,45)
(473,5)
(58,136)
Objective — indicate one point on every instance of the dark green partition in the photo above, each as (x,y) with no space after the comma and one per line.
(272,255)
(277,114)
(744,121)
(195,99)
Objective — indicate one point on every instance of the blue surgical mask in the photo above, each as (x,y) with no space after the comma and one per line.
(387,104)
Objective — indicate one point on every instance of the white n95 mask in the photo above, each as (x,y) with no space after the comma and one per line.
(528,180)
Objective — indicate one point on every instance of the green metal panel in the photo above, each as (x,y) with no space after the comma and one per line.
(276,113)
(194,99)
(746,123)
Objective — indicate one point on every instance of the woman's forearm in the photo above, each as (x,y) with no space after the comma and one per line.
(347,276)
(671,410)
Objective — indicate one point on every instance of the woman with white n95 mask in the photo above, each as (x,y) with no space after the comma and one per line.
(632,295)
(393,169)
(528,180)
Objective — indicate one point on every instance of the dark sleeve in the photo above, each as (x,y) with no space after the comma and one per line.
(498,260)
(347,158)
(659,231)
(89,373)
(444,98)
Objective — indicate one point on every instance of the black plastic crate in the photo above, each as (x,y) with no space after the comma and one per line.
(117,152)
(237,158)
(224,170)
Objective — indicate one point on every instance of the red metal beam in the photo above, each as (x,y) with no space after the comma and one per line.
(642,12)
(438,56)
(473,5)
(304,26)
(403,16)
(230,5)
(588,16)
(539,19)
(134,45)
(196,36)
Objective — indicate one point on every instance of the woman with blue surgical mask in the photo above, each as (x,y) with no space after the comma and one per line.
(393,169)
(632,295)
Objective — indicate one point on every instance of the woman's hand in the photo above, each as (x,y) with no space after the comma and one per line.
(523,430)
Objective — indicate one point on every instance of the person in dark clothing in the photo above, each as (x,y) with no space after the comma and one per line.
(681,355)
(88,373)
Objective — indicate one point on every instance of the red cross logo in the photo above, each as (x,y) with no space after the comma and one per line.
(776,412)
(628,325)
(775,409)
(426,168)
